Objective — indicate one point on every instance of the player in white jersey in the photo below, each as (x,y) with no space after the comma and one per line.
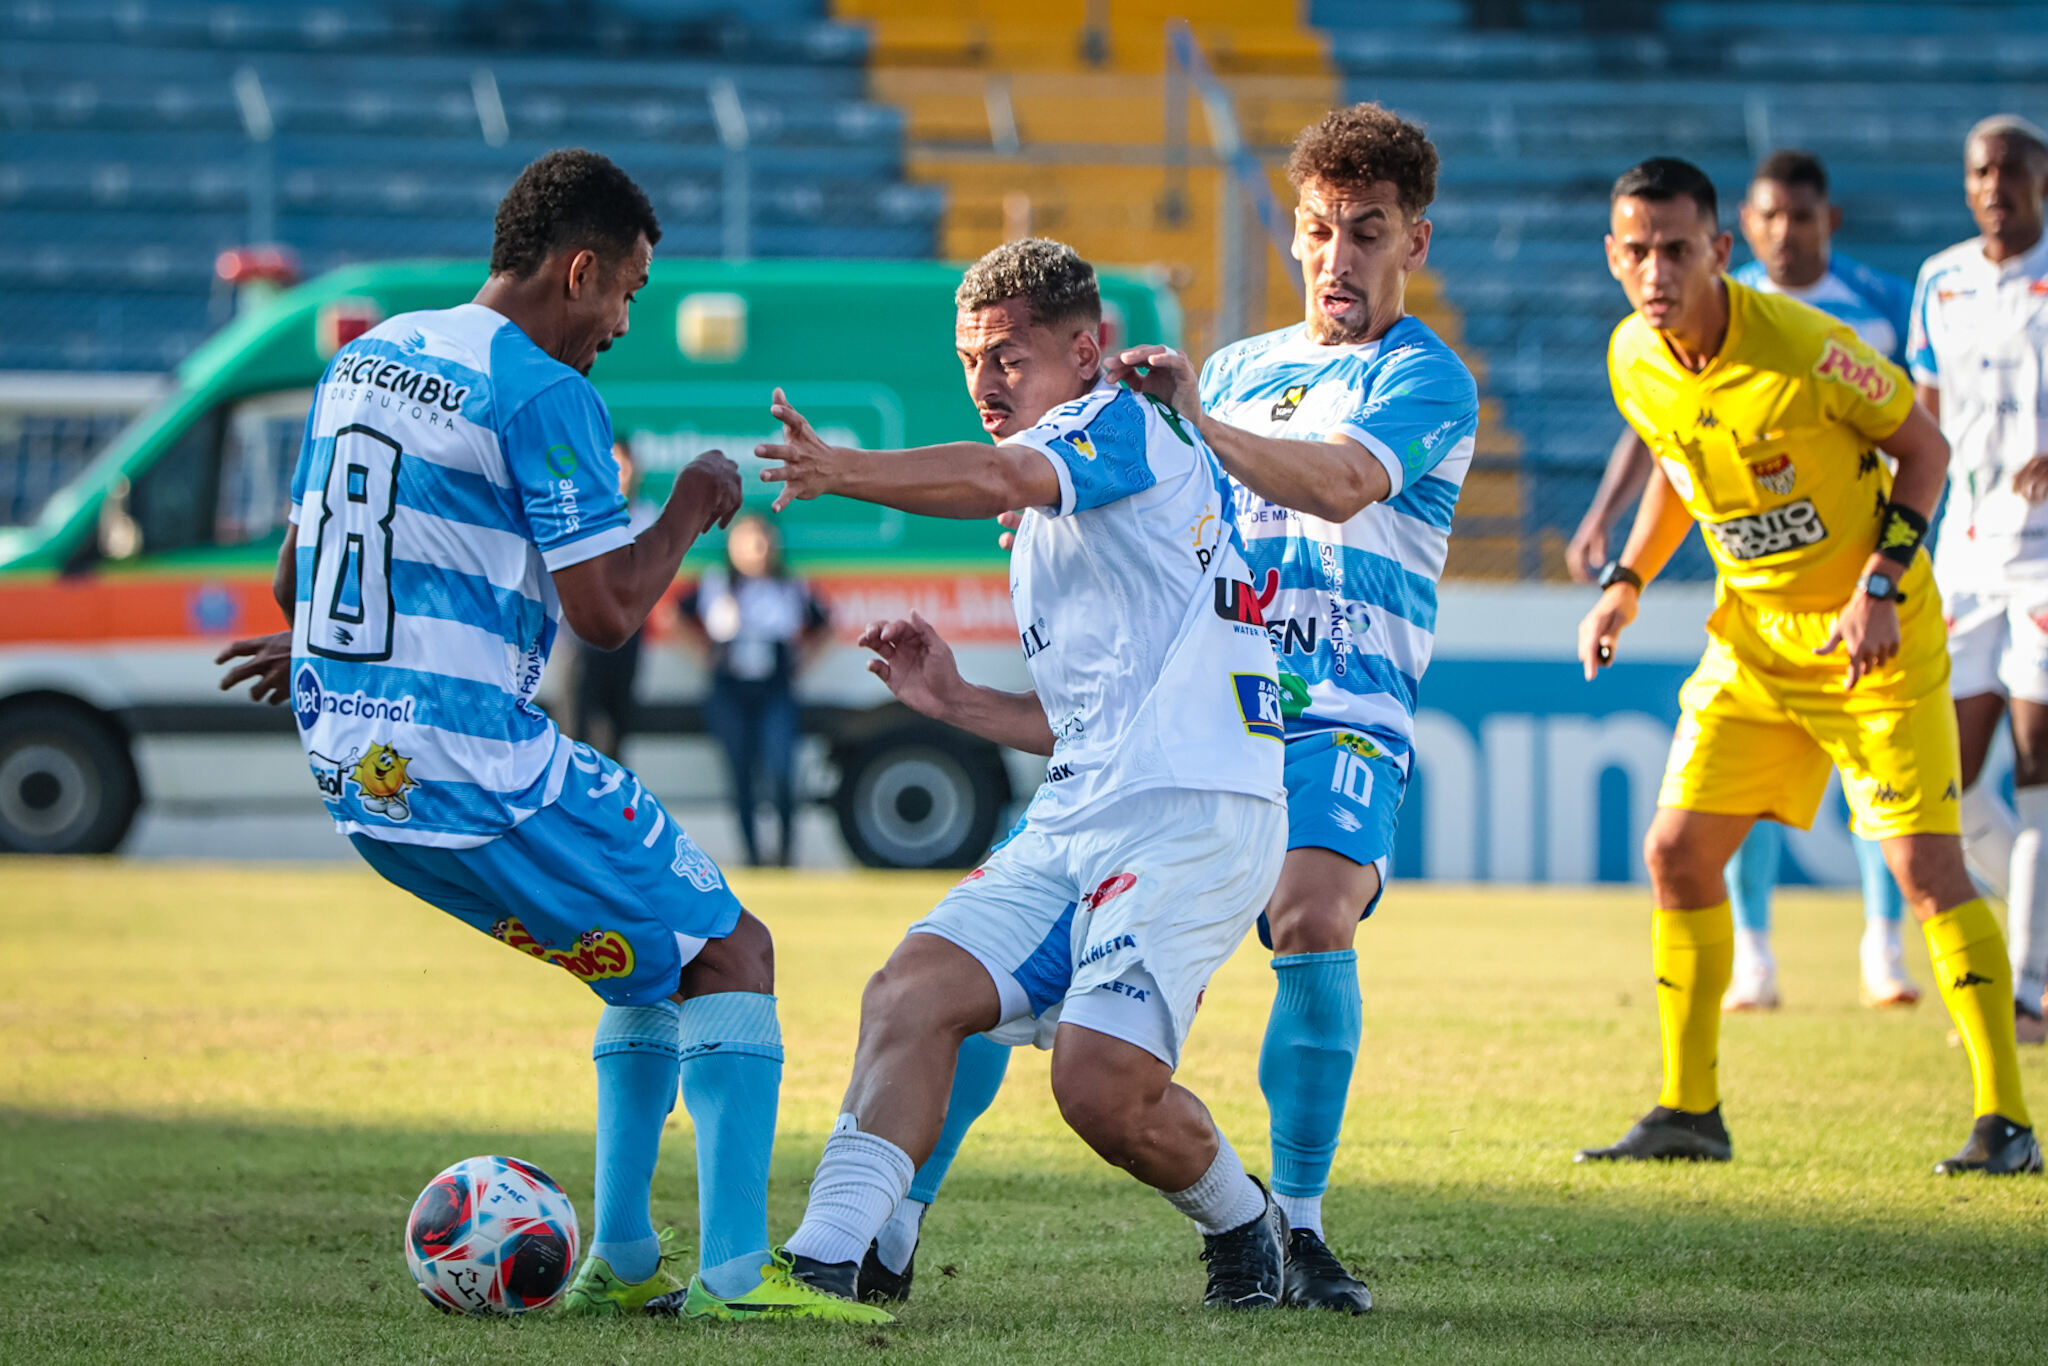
(1346,440)
(1144,858)
(455,499)
(1790,224)
(1979,357)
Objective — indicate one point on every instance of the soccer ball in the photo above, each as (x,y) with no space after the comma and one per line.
(491,1235)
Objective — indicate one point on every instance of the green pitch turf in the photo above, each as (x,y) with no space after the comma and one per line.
(221,1088)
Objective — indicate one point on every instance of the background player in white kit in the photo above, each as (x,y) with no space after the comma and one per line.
(1979,357)
(454,501)
(1159,831)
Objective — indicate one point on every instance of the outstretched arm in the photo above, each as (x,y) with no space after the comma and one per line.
(607,598)
(918,665)
(1334,478)
(962,479)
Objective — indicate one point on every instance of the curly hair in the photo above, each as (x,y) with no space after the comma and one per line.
(1354,147)
(569,198)
(1052,279)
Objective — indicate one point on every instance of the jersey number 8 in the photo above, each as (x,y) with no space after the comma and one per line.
(352,607)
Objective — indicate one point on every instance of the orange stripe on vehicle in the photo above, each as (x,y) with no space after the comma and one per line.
(967,609)
(89,609)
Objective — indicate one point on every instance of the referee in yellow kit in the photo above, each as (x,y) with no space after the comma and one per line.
(1825,648)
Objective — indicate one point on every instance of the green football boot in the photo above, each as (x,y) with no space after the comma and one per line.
(780,1295)
(598,1293)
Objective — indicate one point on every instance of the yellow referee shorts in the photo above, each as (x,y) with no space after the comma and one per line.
(1764,718)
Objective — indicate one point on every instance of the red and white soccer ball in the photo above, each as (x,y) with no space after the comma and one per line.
(491,1235)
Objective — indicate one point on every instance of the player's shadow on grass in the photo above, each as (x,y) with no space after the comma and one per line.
(155,1239)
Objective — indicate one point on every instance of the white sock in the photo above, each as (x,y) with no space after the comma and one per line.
(2026,914)
(859,1180)
(1753,956)
(1302,1211)
(1884,953)
(1989,827)
(898,1238)
(1224,1199)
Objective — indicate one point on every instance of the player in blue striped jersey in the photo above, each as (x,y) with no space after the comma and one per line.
(1347,438)
(455,498)
(1788,222)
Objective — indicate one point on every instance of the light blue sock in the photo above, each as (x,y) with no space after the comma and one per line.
(976,1079)
(1881,898)
(1753,872)
(732,1084)
(636,1053)
(1305,1065)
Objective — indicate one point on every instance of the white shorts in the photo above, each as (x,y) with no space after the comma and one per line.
(1117,923)
(1998,643)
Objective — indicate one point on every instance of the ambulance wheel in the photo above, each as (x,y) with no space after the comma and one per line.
(921,798)
(67,785)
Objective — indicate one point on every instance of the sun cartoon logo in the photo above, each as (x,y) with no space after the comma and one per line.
(381,774)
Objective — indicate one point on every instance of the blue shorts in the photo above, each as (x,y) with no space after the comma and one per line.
(602,884)
(1344,789)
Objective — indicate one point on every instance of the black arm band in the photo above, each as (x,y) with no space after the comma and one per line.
(1900,530)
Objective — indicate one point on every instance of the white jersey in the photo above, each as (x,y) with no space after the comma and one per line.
(1138,624)
(1980,336)
(449,467)
(1352,605)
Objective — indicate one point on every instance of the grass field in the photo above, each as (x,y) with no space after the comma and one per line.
(221,1088)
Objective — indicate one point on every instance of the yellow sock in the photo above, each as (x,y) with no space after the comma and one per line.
(1976,985)
(1694,954)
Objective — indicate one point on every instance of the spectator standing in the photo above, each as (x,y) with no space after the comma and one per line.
(756,625)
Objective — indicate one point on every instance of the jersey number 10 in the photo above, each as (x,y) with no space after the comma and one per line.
(352,607)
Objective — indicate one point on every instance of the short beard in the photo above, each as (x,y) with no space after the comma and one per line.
(1325,330)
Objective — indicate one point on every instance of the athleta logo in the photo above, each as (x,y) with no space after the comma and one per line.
(1837,362)
(1095,953)
(1235,601)
(1769,533)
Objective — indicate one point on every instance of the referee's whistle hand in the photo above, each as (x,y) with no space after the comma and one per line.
(1601,630)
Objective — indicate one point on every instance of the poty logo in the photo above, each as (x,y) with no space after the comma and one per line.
(1110,890)
(1839,363)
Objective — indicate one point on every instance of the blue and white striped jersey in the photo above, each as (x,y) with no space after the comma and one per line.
(1874,304)
(449,466)
(1351,606)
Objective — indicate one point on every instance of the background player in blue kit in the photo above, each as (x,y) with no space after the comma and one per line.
(454,500)
(1789,223)
(1346,438)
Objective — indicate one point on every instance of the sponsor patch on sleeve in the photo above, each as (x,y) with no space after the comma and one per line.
(1258,699)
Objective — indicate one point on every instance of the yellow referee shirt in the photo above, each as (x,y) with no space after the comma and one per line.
(1773,446)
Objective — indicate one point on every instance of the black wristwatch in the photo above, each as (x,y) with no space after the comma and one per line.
(1883,587)
(1620,573)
